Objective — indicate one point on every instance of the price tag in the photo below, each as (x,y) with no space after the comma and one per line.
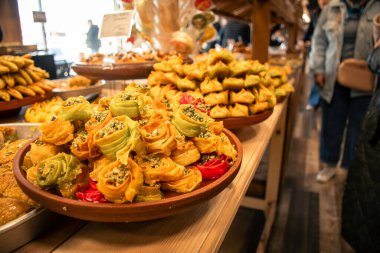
(116,24)
(39,17)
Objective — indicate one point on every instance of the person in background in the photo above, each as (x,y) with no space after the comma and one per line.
(1,34)
(92,41)
(314,98)
(235,30)
(361,200)
(342,32)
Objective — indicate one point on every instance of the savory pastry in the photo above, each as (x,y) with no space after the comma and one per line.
(233,83)
(258,107)
(149,193)
(242,97)
(79,81)
(217,98)
(188,120)
(219,112)
(251,80)
(219,70)
(159,136)
(256,67)
(118,138)
(97,165)
(262,93)
(186,84)
(57,132)
(120,182)
(212,143)
(187,183)
(186,155)
(238,110)
(240,68)
(125,103)
(284,90)
(156,78)
(76,108)
(222,55)
(40,151)
(79,146)
(208,86)
(195,71)
(159,168)
(43,111)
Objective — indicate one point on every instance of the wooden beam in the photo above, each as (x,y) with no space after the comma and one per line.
(260,32)
(231,16)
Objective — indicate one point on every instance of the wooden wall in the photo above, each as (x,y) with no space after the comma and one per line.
(10,21)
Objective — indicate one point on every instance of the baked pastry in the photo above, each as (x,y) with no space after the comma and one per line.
(186,155)
(186,84)
(75,108)
(238,110)
(258,107)
(125,103)
(243,97)
(208,86)
(222,55)
(251,80)
(219,70)
(219,112)
(217,98)
(57,132)
(189,121)
(187,183)
(233,83)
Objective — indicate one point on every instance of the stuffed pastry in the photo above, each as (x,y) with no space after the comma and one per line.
(79,146)
(258,107)
(233,83)
(251,80)
(40,151)
(186,155)
(189,121)
(238,110)
(157,78)
(149,193)
(195,71)
(76,108)
(219,112)
(186,84)
(243,97)
(256,67)
(159,168)
(187,183)
(159,136)
(222,55)
(239,68)
(125,103)
(119,182)
(217,98)
(262,93)
(208,86)
(219,70)
(118,138)
(57,132)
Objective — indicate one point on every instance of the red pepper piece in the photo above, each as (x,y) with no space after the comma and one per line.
(214,168)
(91,194)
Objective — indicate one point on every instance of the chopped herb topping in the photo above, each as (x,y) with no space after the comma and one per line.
(190,111)
(111,128)
(72,101)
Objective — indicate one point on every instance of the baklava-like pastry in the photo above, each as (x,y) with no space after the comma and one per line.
(239,68)
(187,183)
(208,86)
(149,193)
(243,97)
(219,70)
(125,103)
(186,84)
(76,108)
(219,112)
(189,121)
(256,67)
(186,155)
(156,78)
(195,71)
(120,183)
(57,132)
(233,83)
(217,98)
(251,80)
(238,110)
(258,107)
(222,55)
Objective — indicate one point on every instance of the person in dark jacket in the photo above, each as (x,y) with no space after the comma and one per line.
(361,200)
(92,40)
(236,30)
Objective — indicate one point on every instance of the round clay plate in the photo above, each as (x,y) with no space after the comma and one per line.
(240,122)
(114,71)
(15,104)
(66,92)
(173,203)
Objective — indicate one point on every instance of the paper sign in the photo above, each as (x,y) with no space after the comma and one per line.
(116,24)
(39,16)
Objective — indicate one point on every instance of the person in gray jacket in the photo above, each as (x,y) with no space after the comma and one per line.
(344,30)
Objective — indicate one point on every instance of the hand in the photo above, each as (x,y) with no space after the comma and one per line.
(319,80)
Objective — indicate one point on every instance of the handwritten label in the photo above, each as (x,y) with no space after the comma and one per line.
(116,24)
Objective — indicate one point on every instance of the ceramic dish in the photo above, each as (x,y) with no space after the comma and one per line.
(240,122)
(66,92)
(172,204)
(114,71)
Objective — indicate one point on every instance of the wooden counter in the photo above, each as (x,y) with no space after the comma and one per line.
(200,230)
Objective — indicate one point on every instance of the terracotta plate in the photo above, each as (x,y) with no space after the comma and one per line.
(234,123)
(18,103)
(66,92)
(109,212)
(114,71)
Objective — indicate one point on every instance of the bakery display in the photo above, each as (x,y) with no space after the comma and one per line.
(43,111)
(127,148)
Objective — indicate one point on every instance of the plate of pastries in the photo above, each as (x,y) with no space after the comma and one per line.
(119,66)
(240,93)
(129,157)
(22,83)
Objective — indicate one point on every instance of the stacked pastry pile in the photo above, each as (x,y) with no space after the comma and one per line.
(279,76)
(13,202)
(127,148)
(19,77)
(233,88)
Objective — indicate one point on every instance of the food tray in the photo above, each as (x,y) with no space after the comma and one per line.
(66,92)
(240,122)
(16,233)
(114,71)
(172,204)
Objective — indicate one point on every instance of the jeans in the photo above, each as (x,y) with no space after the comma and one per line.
(343,112)
(314,98)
